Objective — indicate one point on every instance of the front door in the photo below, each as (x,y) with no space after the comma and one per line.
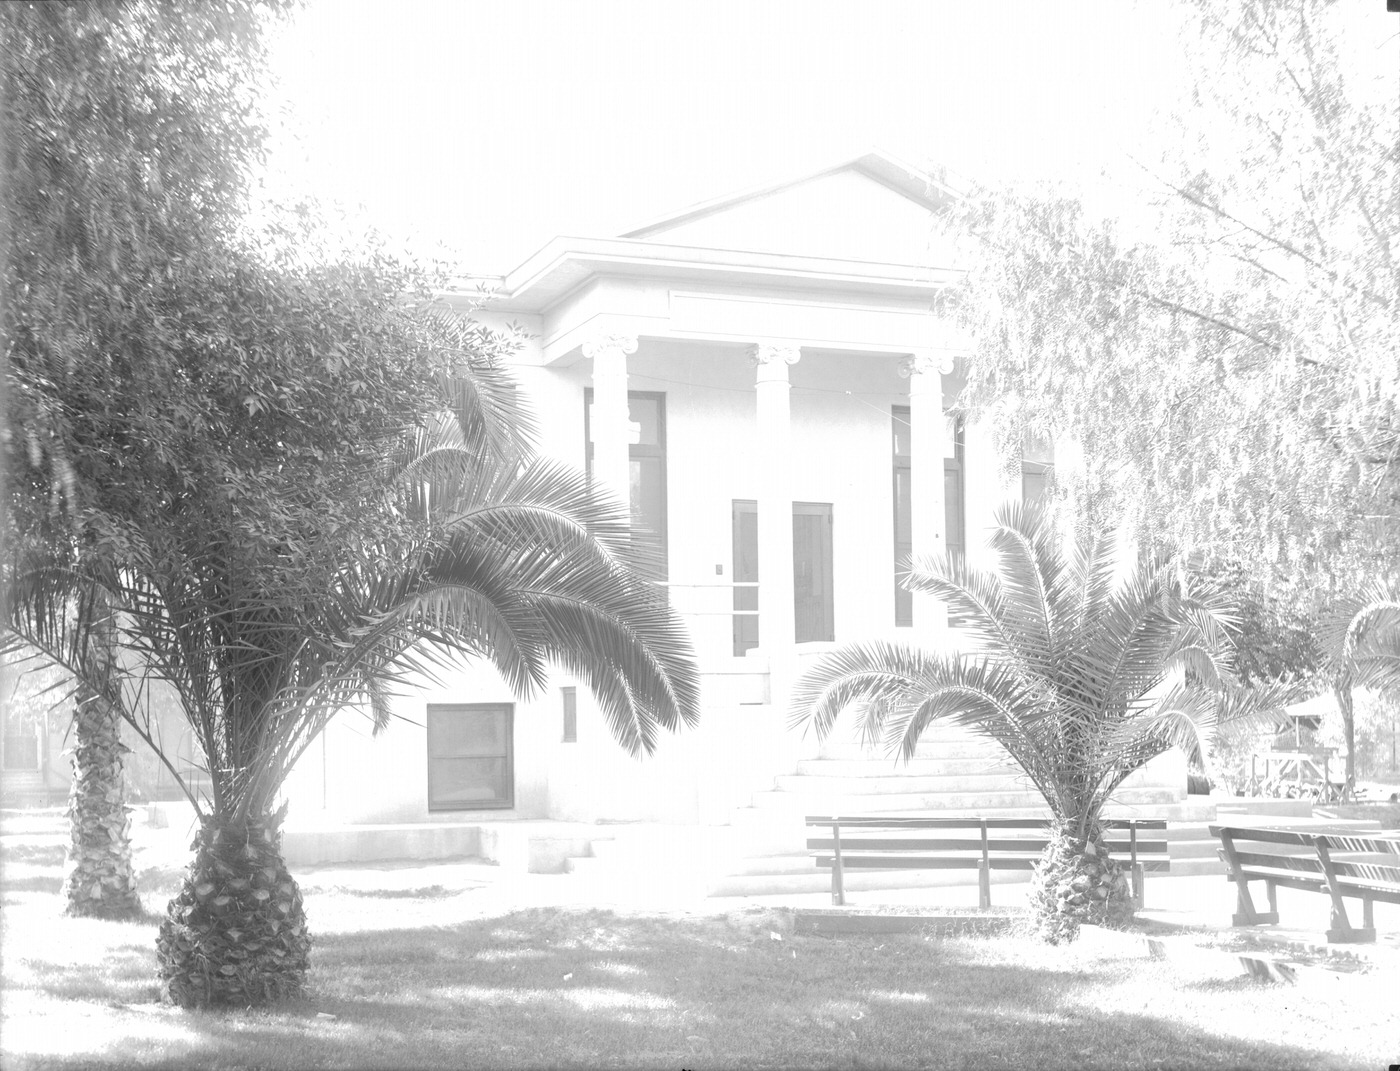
(811,572)
(814,613)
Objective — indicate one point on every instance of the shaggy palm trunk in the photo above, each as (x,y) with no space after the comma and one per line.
(99,881)
(1077,881)
(1341,689)
(236,934)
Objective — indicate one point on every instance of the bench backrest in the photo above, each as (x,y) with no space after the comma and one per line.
(887,833)
(1268,851)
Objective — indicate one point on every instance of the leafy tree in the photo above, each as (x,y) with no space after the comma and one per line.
(283,484)
(1226,358)
(1082,678)
(127,149)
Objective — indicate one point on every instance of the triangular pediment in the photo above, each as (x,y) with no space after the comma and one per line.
(869,209)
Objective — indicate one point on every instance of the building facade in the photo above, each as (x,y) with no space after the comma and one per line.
(767,381)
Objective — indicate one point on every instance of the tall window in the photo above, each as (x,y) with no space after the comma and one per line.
(470,756)
(1037,467)
(903,507)
(646,411)
(569,697)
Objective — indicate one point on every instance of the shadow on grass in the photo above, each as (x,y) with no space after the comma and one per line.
(587,988)
(127,974)
(34,854)
(430,892)
(33,883)
(593,988)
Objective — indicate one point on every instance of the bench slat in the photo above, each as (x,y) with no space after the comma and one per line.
(912,822)
(951,862)
(925,844)
(1291,879)
(1339,842)
(1335,841)
(1268,836)
(1345,868)
(903,862)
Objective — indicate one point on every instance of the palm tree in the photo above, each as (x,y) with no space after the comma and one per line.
(495,555)
(1361,639)
(1082,674)
(100,878)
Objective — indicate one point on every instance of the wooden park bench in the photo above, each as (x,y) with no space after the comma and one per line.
(893,842)
(1335,863)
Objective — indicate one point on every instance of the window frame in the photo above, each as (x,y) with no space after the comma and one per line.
(568,695)
(508,801)
(639,450)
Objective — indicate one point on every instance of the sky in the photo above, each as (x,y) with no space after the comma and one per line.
(482,130)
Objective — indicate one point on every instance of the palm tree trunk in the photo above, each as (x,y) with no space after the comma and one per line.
(100,881)
(1077,881)
(236,933)
(1341,688)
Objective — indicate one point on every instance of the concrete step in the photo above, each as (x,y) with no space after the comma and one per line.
(817,880)
(978,803)
(1186,868)
(809,785)
(1180,851)
(925,749)
(926,767)
(1188,833)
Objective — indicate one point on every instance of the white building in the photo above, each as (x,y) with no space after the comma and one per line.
(774,354)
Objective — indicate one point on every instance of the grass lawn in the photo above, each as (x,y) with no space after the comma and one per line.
(412,974)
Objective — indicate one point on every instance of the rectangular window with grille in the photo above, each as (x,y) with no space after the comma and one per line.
(470,756)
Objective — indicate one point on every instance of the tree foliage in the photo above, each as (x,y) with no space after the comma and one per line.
(1227,360)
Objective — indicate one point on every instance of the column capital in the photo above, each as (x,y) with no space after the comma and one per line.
(927,363)
(775,353)
(610,343)
(773,359)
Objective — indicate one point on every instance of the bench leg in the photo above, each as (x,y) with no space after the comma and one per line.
(1139,887)
(1246,915)
(1341,930)
(984,886)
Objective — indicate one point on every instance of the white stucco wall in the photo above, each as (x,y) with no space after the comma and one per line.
(841,446)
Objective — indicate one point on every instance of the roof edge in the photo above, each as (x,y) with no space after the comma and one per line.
(918,184)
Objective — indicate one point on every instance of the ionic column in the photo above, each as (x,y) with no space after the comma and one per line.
(928,444)
(608,419)
(776,614)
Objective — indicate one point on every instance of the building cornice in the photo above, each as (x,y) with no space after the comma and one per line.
(564,264)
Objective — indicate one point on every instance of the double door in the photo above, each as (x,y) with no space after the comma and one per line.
(813,606)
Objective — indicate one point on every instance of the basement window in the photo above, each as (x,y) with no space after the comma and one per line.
(471,756)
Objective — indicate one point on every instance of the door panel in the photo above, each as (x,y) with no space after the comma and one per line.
(745,528)
(813,602)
